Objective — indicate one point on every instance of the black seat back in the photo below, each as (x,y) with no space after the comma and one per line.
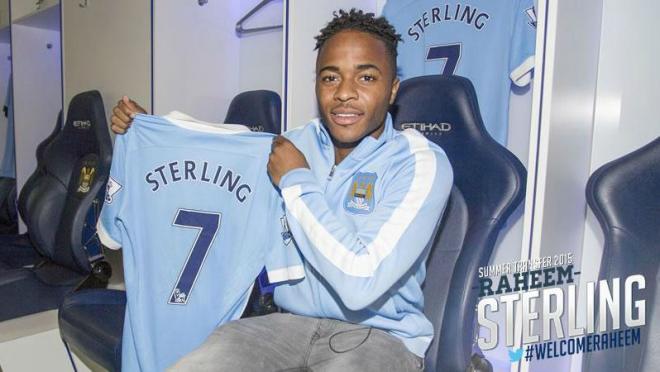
(489,184)
(8,217)
(27,194)
(625,198)
(8,220)
(75,165)
(260,110)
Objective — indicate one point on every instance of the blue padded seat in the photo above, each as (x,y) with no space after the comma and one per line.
(94,319)
(17,251)
(624,195)
(267,118)
(8,218)
(8,188)
(489,184)
(29,291)
(76,164)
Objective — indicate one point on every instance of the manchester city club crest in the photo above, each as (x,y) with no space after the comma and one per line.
(86,178)
(360,196)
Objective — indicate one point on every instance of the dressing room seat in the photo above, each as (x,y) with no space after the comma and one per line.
(8,218)
(489,183)
(16,250)
(624,195)
(75,168)
(242,110)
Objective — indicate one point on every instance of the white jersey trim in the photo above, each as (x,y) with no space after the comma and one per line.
(286,274)
(186,121)
(389,234)
(522,75)
(105,237)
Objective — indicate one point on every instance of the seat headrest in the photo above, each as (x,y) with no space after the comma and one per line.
(85,131)
(41,148)
(85,120)
(445,110)
(260,110)
(624,193)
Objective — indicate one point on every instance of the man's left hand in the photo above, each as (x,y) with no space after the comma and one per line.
(284,157)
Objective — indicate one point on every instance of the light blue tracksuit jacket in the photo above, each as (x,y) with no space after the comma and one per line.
(364,228)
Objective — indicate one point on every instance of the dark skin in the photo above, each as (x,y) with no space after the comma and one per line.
(123,113)
(355,84)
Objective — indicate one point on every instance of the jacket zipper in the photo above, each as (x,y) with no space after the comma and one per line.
(332,172)
(327,181)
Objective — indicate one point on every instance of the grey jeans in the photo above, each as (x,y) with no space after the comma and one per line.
(287,342)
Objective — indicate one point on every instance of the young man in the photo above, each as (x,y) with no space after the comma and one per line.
(362,203)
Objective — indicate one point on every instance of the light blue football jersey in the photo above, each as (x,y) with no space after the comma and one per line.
(491,42)
(197,217)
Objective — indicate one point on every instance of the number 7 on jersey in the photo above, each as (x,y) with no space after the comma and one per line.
(208,224)
(451,53)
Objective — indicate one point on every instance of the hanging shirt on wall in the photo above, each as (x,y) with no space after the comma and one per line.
(489,42)
(8,164)
(194,210)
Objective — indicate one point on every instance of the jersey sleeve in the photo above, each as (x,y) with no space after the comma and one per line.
(109,224)
(363,262)
(283,262)
(523,43)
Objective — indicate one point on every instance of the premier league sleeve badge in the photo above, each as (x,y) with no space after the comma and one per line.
(360,196)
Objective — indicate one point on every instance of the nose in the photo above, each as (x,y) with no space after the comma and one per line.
(346,91)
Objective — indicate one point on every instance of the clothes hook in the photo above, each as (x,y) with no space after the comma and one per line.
(239,25)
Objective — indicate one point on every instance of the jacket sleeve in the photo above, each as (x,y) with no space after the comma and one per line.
(361,263)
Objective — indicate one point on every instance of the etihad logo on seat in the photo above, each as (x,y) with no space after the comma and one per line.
(257,128)
(82,124)
(429,129)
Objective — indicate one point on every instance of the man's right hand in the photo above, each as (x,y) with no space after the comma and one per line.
(123,114)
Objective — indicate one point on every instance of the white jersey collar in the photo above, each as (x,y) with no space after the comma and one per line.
(186,121)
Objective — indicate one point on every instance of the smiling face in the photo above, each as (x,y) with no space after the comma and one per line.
(355,84)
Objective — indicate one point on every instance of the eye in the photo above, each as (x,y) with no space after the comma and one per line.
(368,78)
(329,78)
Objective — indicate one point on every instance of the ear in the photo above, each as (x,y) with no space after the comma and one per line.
(395,89)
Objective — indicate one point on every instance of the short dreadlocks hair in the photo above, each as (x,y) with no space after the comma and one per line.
(358,20)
